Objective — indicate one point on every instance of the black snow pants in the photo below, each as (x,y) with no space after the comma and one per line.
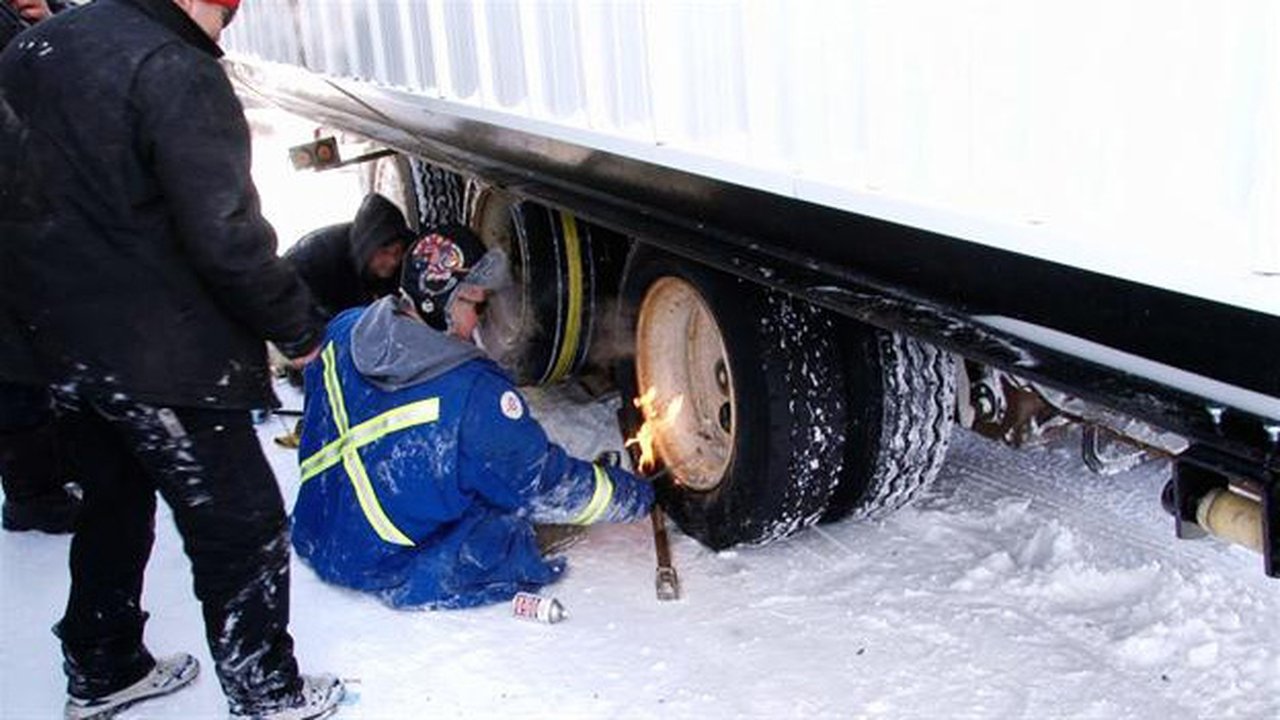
(29,467)
(209,467)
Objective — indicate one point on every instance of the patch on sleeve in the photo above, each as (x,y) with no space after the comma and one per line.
(511,405)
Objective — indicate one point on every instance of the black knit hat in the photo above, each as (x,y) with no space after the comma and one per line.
(445,258)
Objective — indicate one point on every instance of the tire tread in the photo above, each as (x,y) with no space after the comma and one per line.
(916,422)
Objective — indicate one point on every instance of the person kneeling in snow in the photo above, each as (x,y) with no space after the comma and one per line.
(423,472)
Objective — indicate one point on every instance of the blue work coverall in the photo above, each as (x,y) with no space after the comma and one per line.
(423,475)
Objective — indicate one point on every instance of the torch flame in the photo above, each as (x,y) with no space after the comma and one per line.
(653,422)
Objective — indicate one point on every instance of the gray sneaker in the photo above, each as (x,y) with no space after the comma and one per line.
(169,674)
(318,698)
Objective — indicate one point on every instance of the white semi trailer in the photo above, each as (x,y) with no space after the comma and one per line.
(830,225)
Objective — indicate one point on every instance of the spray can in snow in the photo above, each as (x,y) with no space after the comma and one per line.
(535,607)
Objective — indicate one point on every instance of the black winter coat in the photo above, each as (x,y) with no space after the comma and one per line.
(331,260)
(17,361)
(132,250)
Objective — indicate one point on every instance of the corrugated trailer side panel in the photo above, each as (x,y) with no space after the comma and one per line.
(1136,139)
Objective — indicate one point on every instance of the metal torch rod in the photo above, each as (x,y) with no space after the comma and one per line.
(666,581)
(661,544)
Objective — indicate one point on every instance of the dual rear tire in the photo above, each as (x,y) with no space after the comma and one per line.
(791,415)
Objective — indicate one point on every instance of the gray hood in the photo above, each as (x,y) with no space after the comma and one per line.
(393,351)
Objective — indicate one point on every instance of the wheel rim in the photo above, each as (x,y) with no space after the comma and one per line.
(507,315)
(680,351)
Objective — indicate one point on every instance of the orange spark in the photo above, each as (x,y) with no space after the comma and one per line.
(653,422)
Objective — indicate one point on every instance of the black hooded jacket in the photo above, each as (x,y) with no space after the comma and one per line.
(332,260)
(134,259)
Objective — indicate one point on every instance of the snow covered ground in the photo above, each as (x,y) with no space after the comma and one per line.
(1021,586)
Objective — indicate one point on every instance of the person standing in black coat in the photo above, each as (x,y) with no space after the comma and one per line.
(352,264)
(144,280)
(33,478)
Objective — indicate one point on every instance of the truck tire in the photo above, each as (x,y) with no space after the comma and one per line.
(392,178)
(540,327)
(900,395)
(438,195)
(427,194)
(757,450)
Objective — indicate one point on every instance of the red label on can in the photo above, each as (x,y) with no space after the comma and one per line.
(535,607)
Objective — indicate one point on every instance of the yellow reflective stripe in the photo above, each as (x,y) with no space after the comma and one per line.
(405,416)
(347,447)
(373,511)
(328,456)
(333,389)
(599,499)
(573,266)
(323,459)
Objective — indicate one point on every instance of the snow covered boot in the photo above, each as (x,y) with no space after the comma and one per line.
(318,698)
(169,674)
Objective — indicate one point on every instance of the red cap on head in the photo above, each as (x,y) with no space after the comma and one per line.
(233,4)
